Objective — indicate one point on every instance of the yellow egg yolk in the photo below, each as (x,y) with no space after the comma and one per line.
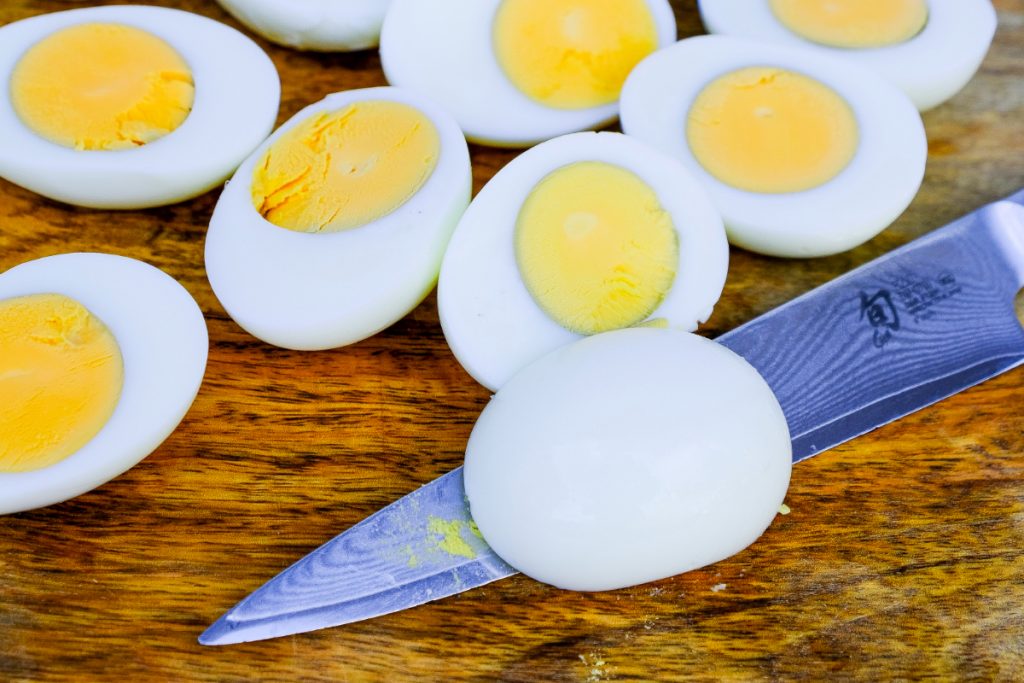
(765,129)
(343,169)
(853,23)
(61,375)
(102,87)
(572,54)
(595,248)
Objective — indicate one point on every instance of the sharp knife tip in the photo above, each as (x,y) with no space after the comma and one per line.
(222,632)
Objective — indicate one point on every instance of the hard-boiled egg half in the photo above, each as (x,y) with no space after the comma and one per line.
(582,234)
(324,25)
(627,457)
(335,227)
(804,154)
(515,72)
(100,359)
(127,107)
(928,48)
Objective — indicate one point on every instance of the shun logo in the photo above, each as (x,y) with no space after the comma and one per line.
(918,297)
(881,314)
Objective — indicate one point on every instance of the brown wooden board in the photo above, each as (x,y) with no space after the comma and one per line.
(903,555)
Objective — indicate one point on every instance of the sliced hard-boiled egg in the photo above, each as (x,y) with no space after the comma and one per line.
(100,358)
(323,25)
(516,72)
(804,154)
(928,48)
(582,234)
(627,457)
(127,107)
(335,227)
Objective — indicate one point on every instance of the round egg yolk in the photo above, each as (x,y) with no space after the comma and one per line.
(595,248)
(343,169)
(572,54)
(61,375)
(765,129)
(853,23)
(102,87)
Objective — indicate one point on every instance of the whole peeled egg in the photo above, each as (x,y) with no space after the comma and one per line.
(627,457)
(804,154)
(100,358)
(322,25)
(335,227)
(582,234)
(125,107)
(516,72)
(930,49)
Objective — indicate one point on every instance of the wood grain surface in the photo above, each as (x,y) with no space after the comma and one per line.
(903,556)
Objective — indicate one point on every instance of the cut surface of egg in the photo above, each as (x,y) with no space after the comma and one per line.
(322,25)
(127,107)
(627,457)
(582,234)
(335,227)
(100,358)
(803,154)
(930,49)
(516,72)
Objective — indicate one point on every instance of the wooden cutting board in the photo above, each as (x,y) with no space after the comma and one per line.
(903,555)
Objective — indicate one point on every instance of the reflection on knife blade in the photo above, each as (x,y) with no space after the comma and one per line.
(907,329)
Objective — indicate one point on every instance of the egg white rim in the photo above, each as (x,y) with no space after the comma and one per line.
(242,248)
(953,41)
(198,154)
(312,24)
(700,276)
(164,344)
(659,93)
(455,66)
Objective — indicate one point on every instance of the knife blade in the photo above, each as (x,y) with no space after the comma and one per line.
(911,327)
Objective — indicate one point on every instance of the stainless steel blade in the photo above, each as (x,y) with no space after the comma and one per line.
(904,331)
(420,548)
(882,341)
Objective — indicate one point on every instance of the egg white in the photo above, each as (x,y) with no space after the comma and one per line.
(492,323)
(444,49)
(930,68)
(627,457)
(318,291)
(861,201)
(237,92)
(322,25)
(163,340)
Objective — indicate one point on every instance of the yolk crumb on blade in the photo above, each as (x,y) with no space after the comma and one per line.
(446,536)
(572,54)
(61,375)
(340,170)
(595,248)
(102,87)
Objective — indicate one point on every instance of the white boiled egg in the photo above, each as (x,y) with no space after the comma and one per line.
(804,154)
(324,25)
(627,457)
(928,48)
(100,358)
(335,227)
(125,107)
(516,72)
(581,234)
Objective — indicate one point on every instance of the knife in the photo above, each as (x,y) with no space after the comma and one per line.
(910,328)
